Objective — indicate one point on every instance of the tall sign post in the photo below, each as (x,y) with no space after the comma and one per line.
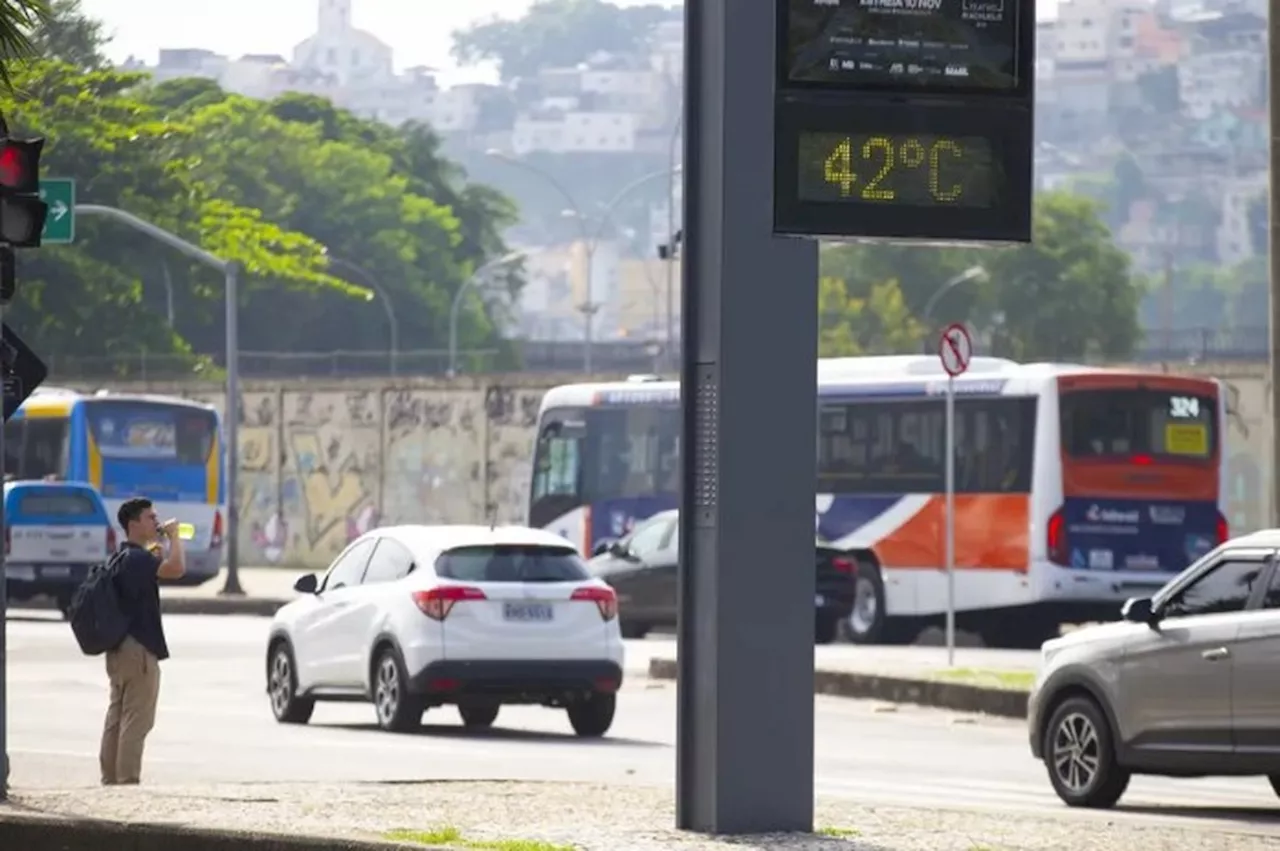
(878,119)
(749,385)
(955,350)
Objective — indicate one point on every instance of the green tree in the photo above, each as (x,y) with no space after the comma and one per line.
(18,18)
(921,270)
(89,299)
(1068,294)
(877,324)
(68,35)
(557,34)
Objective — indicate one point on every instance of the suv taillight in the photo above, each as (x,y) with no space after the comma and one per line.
(1056,539)
(438,602)
(1224,529)
(604,598)
(215,539)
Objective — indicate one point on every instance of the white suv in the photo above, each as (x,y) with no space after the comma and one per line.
(411,617)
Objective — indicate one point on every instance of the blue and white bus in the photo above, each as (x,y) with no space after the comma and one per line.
(165,448)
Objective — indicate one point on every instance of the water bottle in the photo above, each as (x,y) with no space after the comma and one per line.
(186,531)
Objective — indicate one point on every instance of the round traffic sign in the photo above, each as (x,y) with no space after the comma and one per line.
(955,349)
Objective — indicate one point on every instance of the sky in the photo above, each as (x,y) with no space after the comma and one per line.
(417,30)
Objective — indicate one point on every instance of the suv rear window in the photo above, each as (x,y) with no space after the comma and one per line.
(512,563)
(57,504)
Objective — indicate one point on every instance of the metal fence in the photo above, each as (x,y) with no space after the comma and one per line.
(1189,345)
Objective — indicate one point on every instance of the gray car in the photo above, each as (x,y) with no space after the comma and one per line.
(1186,685)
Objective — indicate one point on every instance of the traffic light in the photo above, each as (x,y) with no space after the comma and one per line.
(22,213)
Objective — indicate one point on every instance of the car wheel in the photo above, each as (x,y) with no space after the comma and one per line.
(282,688)
(592,718)
(828,627)
(633,629)
(64,606)
(478,714)
(1080,756)
(397,710)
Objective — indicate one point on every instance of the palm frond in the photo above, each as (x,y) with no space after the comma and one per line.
(18,18)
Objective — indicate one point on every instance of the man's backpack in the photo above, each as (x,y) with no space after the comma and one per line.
(97,617)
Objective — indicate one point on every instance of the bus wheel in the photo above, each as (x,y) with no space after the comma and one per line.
(866,622)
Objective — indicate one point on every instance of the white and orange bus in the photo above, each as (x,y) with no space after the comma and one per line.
(1076,486)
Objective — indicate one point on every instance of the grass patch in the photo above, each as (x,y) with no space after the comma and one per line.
(989,678)
(838,832)
(451,837)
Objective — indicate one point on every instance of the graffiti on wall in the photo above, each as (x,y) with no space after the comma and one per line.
(320,467)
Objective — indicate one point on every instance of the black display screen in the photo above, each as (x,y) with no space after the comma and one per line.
(898,169)
(904,45)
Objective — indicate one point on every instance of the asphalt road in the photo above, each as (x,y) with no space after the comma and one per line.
(215,726)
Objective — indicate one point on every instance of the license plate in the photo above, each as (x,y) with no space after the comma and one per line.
(21,573)
(819,601)
(55,572)
(527,612)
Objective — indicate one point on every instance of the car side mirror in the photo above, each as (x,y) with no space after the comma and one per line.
(306,584)
(1139,610)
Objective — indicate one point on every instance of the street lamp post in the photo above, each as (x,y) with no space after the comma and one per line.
(926,315)
(369,282)
(473,281)
(590,238)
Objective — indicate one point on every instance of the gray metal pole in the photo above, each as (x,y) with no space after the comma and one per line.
(1273,85)
(588,310)
(951,520)
(473,281)
(671,246)
(232,419)
(232,270)
(393,327)
(4,628)
(744,746)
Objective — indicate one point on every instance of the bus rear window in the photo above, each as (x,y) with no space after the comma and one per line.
(1128,422)
(512,563)
(152,431)
(60,504)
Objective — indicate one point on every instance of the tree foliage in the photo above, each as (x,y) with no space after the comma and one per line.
(327,212)
(557,34)
(1068,294)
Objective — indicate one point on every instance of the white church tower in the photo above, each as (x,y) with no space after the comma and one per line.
(350,57)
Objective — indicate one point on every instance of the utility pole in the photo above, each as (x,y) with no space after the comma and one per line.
(1273,229)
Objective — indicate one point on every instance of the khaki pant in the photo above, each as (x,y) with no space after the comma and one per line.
(135,687)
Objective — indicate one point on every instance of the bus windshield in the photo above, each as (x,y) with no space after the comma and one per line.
(36,448)
(1126,422)
(590,454)
(152,431)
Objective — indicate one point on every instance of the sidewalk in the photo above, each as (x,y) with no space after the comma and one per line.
(541,816)
(992,682)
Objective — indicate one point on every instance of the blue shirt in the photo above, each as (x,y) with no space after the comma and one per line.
(138,581)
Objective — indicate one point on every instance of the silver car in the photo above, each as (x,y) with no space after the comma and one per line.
(1186,685)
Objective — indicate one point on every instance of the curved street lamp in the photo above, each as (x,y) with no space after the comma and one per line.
(590,238)
(467,285)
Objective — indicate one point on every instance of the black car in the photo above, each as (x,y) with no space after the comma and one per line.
(641,567)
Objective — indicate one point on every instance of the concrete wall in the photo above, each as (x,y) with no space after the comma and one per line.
(323,462)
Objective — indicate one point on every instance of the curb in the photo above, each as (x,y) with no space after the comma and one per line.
(256,606)
(1002,703)
(23,832)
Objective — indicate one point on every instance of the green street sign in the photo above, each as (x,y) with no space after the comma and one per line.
(60,226)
